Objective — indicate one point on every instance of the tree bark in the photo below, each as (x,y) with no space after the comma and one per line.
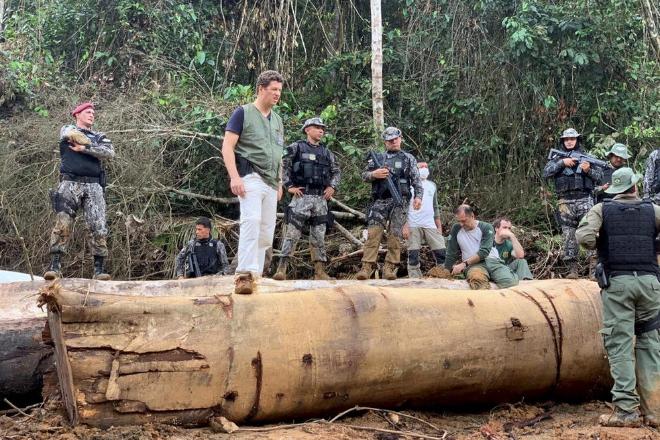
(377,66)
(651,26)
(285,355)
(24,356)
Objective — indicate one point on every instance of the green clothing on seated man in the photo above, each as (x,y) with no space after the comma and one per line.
(518,265)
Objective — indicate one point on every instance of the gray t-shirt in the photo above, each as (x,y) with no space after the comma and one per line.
(470,241)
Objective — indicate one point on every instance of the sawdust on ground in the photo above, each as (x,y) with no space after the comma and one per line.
(504,422)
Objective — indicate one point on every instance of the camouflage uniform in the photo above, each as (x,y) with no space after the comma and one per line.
(77,192)
(575,201)
(311,208)
(384,213)
(652,176)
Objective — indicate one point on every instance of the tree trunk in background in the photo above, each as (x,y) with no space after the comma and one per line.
(377,66)
(651,25)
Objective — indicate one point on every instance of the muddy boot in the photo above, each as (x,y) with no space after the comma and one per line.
(320,273)
(55,268)
(651,420)
(389,271)
(573,271)
(280,275)
(621,419)
(478,279)
(244,284)
(99,270)
(366,271)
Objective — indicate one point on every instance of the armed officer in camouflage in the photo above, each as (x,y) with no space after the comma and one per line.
(311,174)
(652,176)
(203,255)
(574,184)
(623,229)
(384,211)
(617,157)
(82,183)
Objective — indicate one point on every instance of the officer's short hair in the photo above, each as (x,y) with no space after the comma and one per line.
(498,222)
(267,77)
(466,209)
(204,221)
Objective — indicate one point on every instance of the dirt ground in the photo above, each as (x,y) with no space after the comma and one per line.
(504,422)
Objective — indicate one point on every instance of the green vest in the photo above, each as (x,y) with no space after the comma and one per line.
(262,142)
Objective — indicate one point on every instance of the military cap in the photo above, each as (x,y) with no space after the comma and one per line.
(619,150)
(81,107)
(623,179)
(391,133)
(570,133)
(313,121)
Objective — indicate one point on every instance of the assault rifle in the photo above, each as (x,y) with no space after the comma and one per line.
(578,156)
(193,265)
(391,186)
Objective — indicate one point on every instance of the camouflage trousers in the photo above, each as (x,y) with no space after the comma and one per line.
(570,214)
(69,198)
(384,214)
(309,210)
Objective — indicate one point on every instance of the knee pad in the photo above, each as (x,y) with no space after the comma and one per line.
(413,257)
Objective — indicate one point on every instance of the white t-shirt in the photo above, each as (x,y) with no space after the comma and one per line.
(470,241)
(424,217)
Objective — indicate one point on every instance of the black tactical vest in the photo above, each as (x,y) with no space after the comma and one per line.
(311,166)
(626,241)
(398,166)
(79,164)
(206,252)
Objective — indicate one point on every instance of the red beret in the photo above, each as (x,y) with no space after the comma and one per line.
(81,107)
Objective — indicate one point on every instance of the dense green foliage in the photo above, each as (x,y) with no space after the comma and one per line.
(481,89)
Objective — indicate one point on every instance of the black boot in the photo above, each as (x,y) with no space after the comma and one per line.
(55,268)
(99,270)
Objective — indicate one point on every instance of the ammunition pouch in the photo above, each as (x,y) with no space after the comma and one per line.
(647,326)
(103,179)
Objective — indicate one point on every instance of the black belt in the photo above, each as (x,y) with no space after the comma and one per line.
(574,195)
(313,190)
(616,273)
(81,179)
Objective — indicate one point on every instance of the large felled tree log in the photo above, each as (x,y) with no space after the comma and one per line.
(24,357)
(179,359)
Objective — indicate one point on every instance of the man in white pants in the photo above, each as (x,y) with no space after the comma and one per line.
(424,224)
(252,152)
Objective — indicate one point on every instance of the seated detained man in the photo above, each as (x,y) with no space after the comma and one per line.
(203,255)
(510,249)
(470,251)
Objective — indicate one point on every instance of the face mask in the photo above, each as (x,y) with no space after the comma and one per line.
(424,173)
